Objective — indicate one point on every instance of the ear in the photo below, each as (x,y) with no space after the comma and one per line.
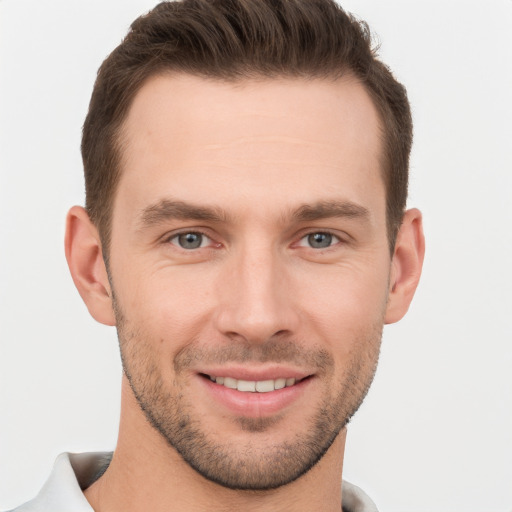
(85,261)
(405,266)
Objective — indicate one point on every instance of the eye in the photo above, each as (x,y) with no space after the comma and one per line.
(319,240)
(190,240)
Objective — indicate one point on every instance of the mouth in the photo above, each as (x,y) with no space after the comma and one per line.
(255,386)
(255,393)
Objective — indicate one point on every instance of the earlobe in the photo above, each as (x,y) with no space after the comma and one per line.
(406,266)
(85,260)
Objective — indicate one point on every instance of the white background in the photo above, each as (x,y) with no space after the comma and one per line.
(435,433)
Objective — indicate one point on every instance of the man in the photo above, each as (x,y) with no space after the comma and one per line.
(245,230)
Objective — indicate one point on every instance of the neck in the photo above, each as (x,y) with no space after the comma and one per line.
(147,474)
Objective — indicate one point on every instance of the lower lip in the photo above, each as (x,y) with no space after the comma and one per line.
(255,405)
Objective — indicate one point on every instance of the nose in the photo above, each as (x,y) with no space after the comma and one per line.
(255,299)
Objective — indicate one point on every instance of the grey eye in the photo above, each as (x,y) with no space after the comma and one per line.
(189,240)
(320,240)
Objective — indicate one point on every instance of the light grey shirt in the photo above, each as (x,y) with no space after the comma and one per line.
(73,472)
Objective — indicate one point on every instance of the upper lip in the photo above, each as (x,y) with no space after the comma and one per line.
(256,374)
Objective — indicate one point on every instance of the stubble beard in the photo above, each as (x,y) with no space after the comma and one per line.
(253,466)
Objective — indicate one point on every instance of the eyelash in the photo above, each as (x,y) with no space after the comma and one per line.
(335,240)
(175,236)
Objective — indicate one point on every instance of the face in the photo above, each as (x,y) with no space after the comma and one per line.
(250,268)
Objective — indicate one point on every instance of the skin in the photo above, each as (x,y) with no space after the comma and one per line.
(255,167)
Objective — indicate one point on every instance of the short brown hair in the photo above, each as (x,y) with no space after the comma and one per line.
(233,40)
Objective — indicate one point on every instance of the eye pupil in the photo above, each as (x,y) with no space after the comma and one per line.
(319,240)
(190,240)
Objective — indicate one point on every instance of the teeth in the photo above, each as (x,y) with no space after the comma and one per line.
(264,386)
(230,383)
(279,383)
(246,385)
(252,386)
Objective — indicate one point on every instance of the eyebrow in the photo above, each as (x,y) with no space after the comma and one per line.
(331,209)
(168,209)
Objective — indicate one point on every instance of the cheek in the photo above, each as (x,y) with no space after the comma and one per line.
(169,304)
(345,305)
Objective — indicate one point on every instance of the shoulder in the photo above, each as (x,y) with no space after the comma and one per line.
(355,499)
(62,492)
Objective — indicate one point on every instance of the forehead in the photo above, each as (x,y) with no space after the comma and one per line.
(211,141)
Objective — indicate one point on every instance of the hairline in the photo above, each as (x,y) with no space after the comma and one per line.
(119,143)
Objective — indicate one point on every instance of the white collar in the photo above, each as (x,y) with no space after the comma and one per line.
(63,493)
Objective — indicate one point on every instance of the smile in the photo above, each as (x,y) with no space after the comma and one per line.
(254,386)
(256,393)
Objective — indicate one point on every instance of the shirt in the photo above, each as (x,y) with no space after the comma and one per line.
(73,472)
